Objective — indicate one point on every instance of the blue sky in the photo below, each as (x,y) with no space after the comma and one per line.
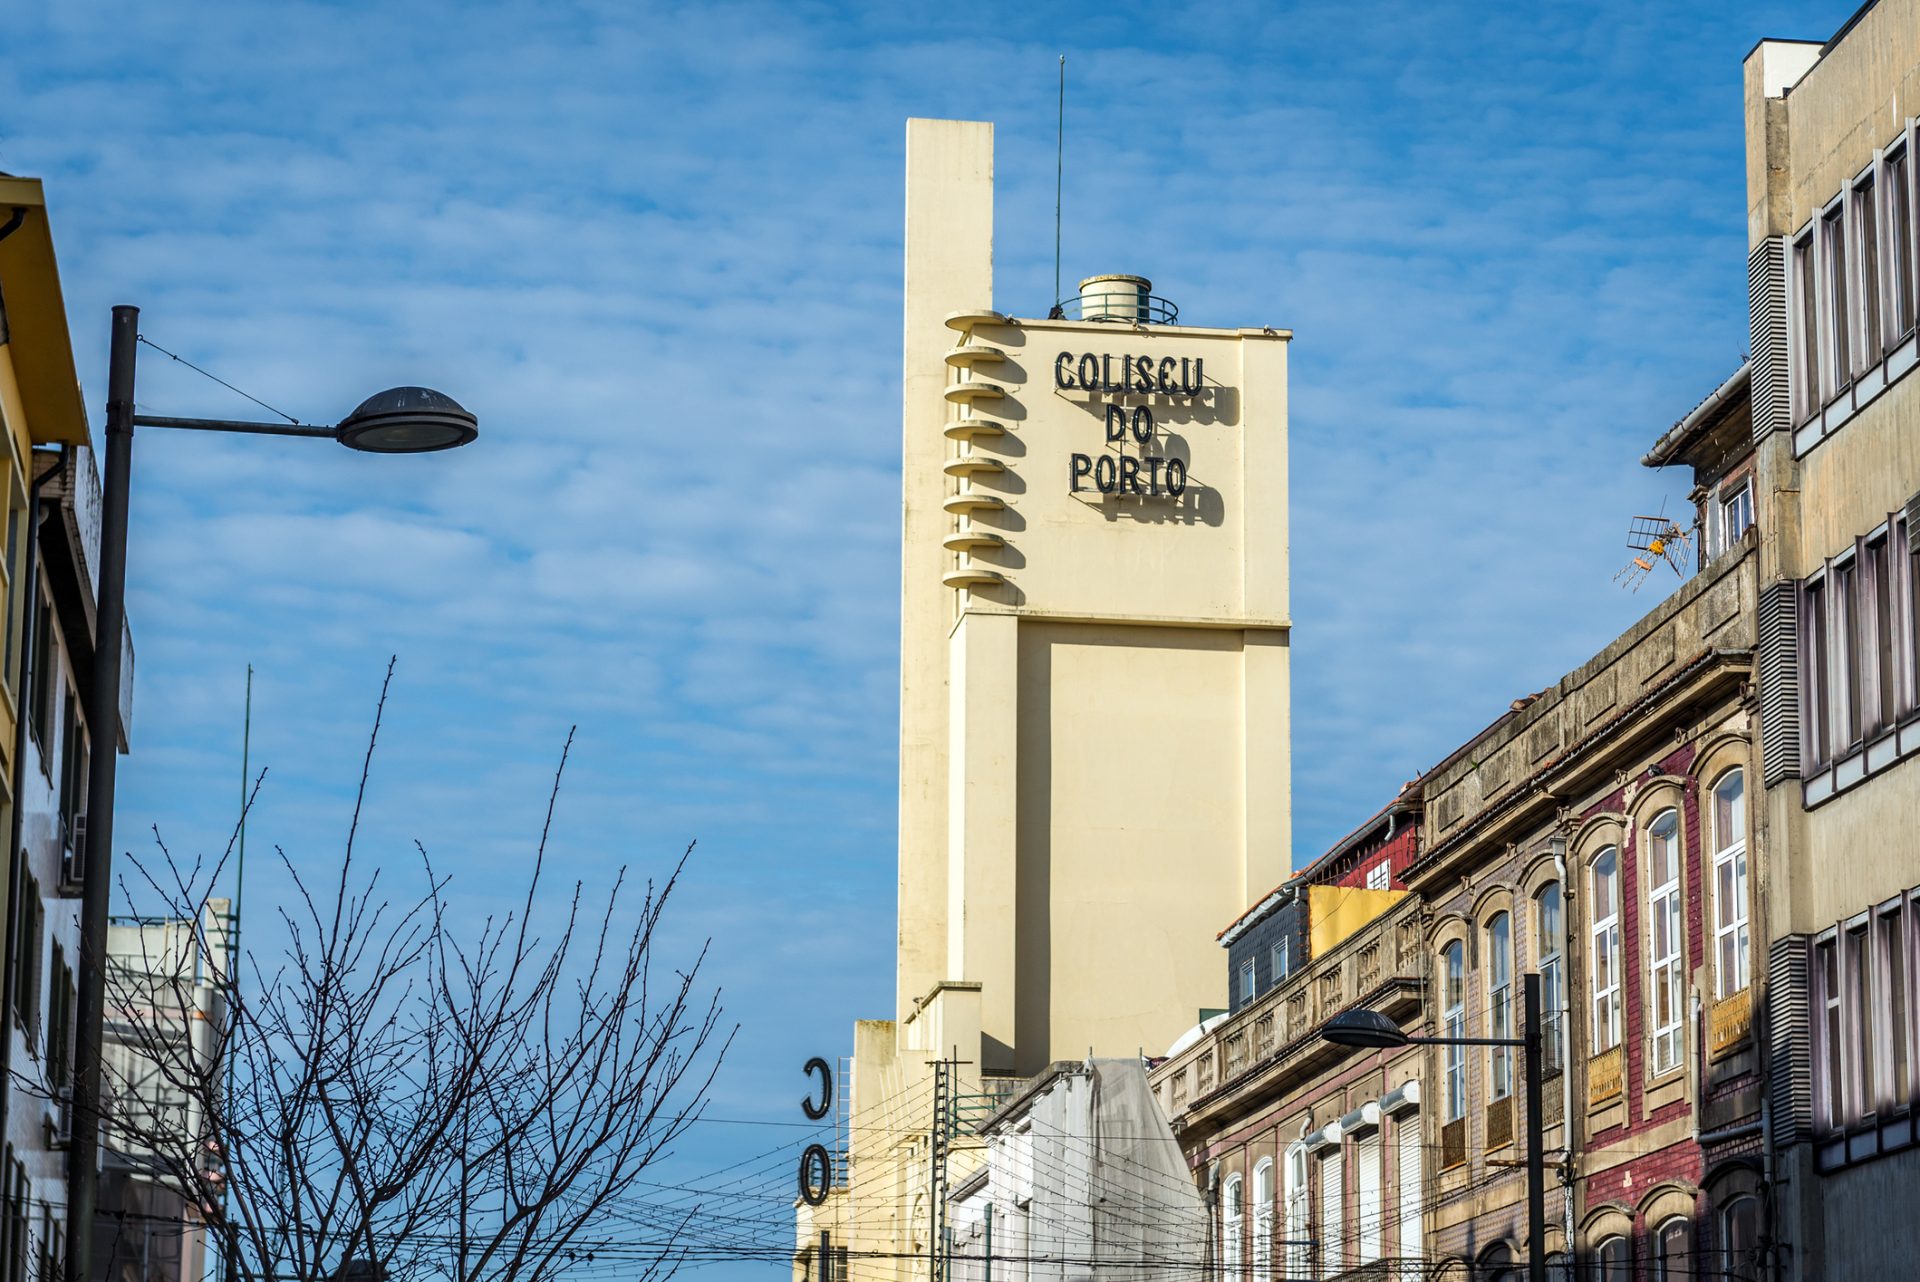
(657,250)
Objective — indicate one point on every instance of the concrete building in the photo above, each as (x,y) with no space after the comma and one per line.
(52,537)
(1094,729)
(166,989)
(1832,153)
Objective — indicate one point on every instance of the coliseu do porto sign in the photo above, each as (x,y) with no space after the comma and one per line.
(1115,470)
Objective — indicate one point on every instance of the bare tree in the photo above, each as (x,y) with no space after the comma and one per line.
(413,1092)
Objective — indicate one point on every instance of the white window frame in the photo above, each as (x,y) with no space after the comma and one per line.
(1500,1006)
(1454,1016)
(1739,495)
(1280,961)
(1665,966)
(1380,876)
(1232,1213)
(1249,982)
(1604,1033)
(1553,976)
(1263,1219)
(1299,1215)
(1730,920)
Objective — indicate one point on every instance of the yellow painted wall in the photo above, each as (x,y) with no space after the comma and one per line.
(1094,746)
(1335,912)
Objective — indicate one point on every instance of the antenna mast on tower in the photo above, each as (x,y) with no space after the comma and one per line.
(1059,170)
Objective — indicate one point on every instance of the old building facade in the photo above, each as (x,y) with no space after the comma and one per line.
(1311,1156)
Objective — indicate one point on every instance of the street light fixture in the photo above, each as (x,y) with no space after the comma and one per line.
(1372,1030)
(401,420)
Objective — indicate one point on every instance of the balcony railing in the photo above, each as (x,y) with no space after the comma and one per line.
(1369,965)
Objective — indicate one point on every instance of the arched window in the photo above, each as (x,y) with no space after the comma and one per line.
(1297,1228)
(1731,969)
(1500,1001)
(1232,1225)
(1613,1261)
(1547,924)
(1663,939)
(1454,1012)
(1740,1239)
(1605,1032)
(1496,1264)
(1672,1261)
(1263,1219)
(1559,1267)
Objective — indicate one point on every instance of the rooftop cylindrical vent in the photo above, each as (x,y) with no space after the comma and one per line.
(1115,298)
(1125,300)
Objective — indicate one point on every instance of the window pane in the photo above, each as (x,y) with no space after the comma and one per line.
(1875,629)
(1807,395)
(1892,961)
(1817,677)
(1835,312)
(1899,223)
(1729,810)
(1833,1079)
(1859,1028)
(1867,241)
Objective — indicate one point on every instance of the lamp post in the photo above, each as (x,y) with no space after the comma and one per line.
(1370,1028)
(402,420)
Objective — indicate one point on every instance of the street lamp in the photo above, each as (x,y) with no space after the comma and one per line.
(402,420)
(1375,1031)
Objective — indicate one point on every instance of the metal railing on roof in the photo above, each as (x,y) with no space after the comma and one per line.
(1117,309)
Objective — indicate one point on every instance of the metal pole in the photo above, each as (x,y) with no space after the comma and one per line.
(230,1257)
(1536,1133)
(103,726)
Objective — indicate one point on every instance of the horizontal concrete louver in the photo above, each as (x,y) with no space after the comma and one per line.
(1788,1034)
(1913,524)
(1780,682)
(1767,334)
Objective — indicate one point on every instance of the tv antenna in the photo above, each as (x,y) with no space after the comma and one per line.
(1059,172)
(1653,539)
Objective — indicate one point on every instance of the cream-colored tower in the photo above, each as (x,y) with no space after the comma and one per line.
(1094,770)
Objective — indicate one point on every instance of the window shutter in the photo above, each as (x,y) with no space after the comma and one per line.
(1913,524)
(1780,682)
(1767,333)
(1787,1036)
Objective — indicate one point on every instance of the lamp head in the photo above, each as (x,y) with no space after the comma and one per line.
(407,420)
(1367,1028)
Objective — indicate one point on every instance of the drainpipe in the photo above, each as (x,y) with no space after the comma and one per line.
(29,585)
(1559,847)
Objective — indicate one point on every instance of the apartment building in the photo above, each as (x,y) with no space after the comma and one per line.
(1311,1155)
(1833,146)
(51,537)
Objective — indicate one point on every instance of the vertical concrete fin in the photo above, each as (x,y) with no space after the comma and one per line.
(949,268)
